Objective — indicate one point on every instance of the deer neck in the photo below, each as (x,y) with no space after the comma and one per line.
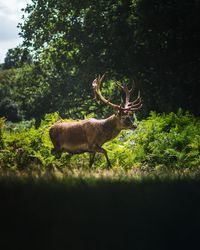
(110,127)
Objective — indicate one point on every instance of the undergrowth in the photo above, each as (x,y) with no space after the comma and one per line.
(161,142)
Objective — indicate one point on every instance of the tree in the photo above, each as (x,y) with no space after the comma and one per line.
(156,42)
(9,107)
(17,57)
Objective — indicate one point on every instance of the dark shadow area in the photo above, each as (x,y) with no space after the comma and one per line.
(86,214)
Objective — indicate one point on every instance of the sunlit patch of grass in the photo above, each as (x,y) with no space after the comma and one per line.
(112,174)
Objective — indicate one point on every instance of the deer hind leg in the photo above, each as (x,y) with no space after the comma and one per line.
(57,153)
(103,151)
(92,156)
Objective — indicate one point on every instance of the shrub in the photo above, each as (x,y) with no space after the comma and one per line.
(169,140)
(163,140)
(24,145)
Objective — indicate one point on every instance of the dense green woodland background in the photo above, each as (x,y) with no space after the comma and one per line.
(67,43)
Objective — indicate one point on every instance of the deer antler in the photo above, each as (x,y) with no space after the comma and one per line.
(96,84)
(129,107)
(127,93)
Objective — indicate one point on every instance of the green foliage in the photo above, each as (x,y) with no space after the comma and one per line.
(16,57)
(32,91)
(24,145)
(154,42)
(2,123)
(167,141)
(9,105)
(162,141)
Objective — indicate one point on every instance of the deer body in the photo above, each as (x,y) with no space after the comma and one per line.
(89,135)
(86,135)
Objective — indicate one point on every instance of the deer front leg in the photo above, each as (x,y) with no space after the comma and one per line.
(103,151)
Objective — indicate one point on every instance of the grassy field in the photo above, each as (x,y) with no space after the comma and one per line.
(99,210)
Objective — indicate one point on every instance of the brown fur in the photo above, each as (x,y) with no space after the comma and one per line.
(87,135)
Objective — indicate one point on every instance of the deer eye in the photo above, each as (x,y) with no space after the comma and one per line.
(127,120)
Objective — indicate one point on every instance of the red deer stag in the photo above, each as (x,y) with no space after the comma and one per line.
(89,135)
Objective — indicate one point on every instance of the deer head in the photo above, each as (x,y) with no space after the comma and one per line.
(124,112)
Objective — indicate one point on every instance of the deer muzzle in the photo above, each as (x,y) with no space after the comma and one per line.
(134,126)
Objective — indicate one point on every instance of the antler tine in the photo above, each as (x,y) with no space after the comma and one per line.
(133,86)
(137,104)
(127,93)
(96,86)
(136,108)
(138,99)
(101,78)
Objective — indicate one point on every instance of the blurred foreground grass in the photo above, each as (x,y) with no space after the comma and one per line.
(99,209)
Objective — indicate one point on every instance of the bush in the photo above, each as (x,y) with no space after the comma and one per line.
(24,145)
(171,140)
(161,141)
